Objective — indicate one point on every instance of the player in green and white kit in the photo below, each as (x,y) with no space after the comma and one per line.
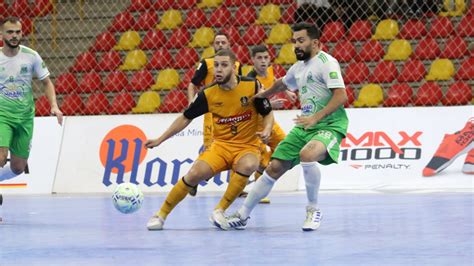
(18,65)
(319,129)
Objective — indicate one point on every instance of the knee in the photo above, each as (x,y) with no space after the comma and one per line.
(311,156)
(276,169)
(3,161)
(248,168)
(17,169)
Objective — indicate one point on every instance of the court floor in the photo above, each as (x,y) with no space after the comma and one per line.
(357,229)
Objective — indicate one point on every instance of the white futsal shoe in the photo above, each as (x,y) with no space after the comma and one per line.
(313,219)
(218,219)
(155,223)
(232,222)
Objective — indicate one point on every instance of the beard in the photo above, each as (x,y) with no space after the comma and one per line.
(303,55)
(225,80)
(10,45)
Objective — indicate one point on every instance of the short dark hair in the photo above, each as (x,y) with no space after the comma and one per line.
(227,52)
(11,19)
(311,29)
(221,33)
(258,49)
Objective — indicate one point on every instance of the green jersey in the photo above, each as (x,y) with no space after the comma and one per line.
(315,80)
(16,73)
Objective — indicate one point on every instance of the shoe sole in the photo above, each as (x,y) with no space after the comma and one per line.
(448,163)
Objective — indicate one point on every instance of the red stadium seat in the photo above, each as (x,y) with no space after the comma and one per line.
(186,57)
(26,26)
(242,53)
(175,102)
(42,106)
(72,104)
(97,104)
(413,70)
(455,48)
(220,17)
(282,2)
(466,71)
(459,93)
(254,35)
(139,5)
(185,4)
(398,95)
(465,28)
(160,59)
(245,16)
(110,60)
(232,3)
(428,94)
(66,83)
(153,39)
(90,82)
(115,81)
(84,62)
(413,29)
(356,73)
(42,8)
(371,51)
(183,84)
(164,4)
(350,96)
(333,32)
(344,51)
(3,9)
(441,27)
(105,41)
(122,22)
(234,34)
(141,80)
(195,18)
(146,21)
(384,72)
(427,48)
(179,38)
(361,30)
(288,16)
(122,103)
(278,71)
(21,8)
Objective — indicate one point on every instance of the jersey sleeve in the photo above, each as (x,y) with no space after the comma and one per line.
(198,107)
(332,75)
(290,80)
(200,73)
(39,67)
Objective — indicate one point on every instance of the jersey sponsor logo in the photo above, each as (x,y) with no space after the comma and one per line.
(309,78)
(12,91)
(333,75)
(23,69)
(244,101)
(235,119)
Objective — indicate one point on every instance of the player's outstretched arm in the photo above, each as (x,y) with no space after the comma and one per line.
(51,95)
(180,123)
(278,86)
(191,92)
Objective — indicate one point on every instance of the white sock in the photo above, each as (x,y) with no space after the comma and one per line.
(260,190)
(312,178)
(6,173)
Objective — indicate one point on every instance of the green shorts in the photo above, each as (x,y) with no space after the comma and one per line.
(289,149)
(16,134)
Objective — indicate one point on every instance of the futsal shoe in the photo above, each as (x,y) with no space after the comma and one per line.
(155,223)
(233,222)
(468,167)
(452,146)
(217,218)
(313,219)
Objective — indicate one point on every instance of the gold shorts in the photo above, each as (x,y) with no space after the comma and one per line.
(223,156)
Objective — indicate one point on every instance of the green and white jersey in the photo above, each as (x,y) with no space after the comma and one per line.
(315,80)
(16,73)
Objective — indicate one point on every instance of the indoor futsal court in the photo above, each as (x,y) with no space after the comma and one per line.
(357,229)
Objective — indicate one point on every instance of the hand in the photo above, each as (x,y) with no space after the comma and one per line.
(293,97)
(264,136)
(59,115)
(151,143)
(277,103)
(307,121)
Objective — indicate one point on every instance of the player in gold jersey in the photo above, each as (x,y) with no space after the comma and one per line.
(204,76)
(235,143)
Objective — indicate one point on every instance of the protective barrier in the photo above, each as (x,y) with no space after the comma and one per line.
(124,49)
